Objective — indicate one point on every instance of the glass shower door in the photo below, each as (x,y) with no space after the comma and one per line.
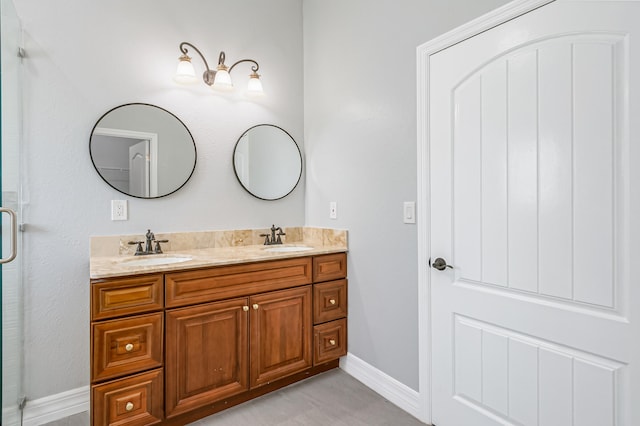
(10,193)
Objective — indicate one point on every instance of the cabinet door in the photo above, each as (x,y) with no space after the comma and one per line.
(281,334)
(207,354)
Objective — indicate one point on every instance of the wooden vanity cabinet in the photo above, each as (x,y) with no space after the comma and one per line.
(219,337)
(329,307)
(221,349)
(207,354)
(127,351)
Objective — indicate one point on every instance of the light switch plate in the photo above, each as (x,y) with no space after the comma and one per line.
(333,210)
(409,212)
(119,210)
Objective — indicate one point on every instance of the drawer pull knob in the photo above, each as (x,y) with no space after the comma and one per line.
(128,347)
(332,301)
(129,406)
(255,306)
(245,308)
(332,342)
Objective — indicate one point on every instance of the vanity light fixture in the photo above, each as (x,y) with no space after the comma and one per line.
(220,79)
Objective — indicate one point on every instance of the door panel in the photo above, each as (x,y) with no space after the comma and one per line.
(534,203)
(11,186)
(546,199)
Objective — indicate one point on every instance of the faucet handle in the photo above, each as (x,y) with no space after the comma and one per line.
(266,239)
(139,248)
(279,234)
(158,249)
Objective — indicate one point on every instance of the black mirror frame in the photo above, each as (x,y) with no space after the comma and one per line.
(235,171)
(195,150)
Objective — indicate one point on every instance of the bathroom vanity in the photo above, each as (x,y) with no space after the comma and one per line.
(174,343)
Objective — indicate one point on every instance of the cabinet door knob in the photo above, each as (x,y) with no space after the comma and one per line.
(332,342)
(128,347)
(332,301)
(245,308)
(129,406)
(255,306)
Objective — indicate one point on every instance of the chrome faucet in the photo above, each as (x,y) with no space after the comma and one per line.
(148,247)
(273,238)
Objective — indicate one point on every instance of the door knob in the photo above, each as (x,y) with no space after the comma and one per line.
(440,264)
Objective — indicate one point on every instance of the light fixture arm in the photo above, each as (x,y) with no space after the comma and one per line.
(185,51)
(254,67)
(208,75)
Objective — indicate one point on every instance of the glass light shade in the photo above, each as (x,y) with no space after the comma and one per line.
(223,79)
(255,85)
(185,73)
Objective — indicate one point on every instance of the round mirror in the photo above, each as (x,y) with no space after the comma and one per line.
(142,150)
(267,162)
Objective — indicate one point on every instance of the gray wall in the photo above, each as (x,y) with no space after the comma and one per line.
(78,67)
(360,142)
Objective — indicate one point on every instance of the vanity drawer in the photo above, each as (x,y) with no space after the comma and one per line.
(126,346)
(134,401)
(329,301)
(329,341)
(125,296)
(329,267)
(207,285)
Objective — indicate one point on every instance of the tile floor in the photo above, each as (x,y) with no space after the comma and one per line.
(332,398)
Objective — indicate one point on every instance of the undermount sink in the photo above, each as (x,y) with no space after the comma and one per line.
(154,260)
(287,249)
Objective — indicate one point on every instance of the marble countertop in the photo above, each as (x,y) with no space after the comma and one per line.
(117,266)
(113,256)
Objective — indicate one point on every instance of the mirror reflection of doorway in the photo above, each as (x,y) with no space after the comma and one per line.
(139,169)
(129,161)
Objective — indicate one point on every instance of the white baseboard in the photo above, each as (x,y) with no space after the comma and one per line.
(388,387)
(56,407)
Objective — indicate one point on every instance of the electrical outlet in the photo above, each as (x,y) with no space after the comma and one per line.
(333,210)
(119,210)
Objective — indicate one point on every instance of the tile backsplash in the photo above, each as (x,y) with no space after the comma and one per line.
(118,245)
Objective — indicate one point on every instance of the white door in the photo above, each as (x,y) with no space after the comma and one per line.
(139,169)
(535,203)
